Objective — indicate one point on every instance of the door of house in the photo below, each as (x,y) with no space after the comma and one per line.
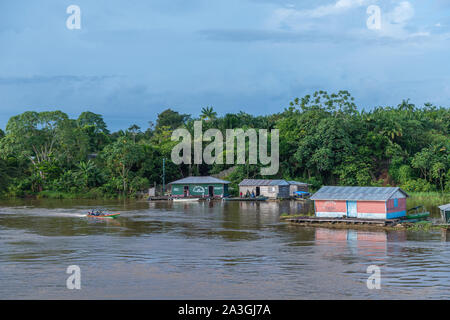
(186,191)
(351,209)
(258,191)
(211,191)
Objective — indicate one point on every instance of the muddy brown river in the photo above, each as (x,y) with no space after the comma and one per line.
(208,250)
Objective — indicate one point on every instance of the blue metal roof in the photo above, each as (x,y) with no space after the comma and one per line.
(297,183)
(262,182)
(356,193)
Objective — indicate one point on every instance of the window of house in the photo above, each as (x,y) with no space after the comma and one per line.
(395,203)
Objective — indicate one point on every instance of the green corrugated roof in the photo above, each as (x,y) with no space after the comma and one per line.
(199,180)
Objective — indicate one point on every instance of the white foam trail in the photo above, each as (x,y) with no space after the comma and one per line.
(38,212)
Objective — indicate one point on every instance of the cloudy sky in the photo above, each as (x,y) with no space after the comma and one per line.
(132,59)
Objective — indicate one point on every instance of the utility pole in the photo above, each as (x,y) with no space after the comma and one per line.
(164,176)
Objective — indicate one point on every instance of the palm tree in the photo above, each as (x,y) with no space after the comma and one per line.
(85,170)
(208,113)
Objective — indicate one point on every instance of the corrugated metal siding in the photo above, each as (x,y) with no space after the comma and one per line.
(356,193)
(398,195)
(295,187)
(297,183)
(262,182)
(283,191)
(199,180)
(267,191)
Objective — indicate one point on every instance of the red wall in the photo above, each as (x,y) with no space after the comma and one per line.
(401,205)
(371,207)
(330,206)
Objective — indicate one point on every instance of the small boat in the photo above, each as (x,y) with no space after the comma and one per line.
(301,195)
(421,215)
(100,214)
(185,199)
(416,215)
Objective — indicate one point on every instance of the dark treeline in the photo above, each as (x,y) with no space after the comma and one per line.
(324,139)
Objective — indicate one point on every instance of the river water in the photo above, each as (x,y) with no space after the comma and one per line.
(209,250)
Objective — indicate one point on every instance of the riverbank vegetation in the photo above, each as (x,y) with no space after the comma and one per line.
(324,139)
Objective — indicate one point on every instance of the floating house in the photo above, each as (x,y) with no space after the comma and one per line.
(360,202)
(295,186)
(268,188)
(445,212)
(198,187)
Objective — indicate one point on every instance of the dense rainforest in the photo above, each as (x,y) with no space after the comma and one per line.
(325,139)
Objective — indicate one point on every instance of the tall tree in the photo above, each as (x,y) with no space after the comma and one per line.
(33,136)
(171,119)
(120,157)
(208,114)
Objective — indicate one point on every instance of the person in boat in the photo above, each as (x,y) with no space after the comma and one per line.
(94,213)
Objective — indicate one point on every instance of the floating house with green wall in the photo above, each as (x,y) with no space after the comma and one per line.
(199,187)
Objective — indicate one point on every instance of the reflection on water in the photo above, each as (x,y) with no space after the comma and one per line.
(229,250)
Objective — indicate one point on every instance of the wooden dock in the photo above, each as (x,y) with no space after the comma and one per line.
(155,198)
(246,199)
(345,221)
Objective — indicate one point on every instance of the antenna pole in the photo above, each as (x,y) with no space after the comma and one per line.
(164,175)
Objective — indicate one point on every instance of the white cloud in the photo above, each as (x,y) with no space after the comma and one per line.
(337,8)
(394,22)
(295,19)
(401,13)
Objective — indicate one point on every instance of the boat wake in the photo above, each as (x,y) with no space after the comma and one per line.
(39,212)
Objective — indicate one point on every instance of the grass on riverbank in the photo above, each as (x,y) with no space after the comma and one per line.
(47,194)
(430,197)
(91,194)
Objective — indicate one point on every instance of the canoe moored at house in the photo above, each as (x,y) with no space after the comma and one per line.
(199,187)
(360,202)
(297,186)
(272,189)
